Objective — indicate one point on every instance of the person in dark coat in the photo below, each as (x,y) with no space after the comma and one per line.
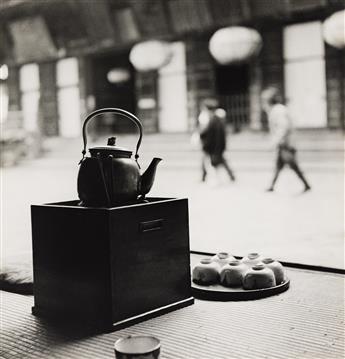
(213,141)
(207,107)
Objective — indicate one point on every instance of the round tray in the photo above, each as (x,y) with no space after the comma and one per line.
(221,293)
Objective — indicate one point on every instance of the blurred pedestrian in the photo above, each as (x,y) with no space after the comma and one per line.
(213,140)
(207,107)
(280,127)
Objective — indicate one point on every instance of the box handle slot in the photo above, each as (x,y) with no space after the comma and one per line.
(148,226)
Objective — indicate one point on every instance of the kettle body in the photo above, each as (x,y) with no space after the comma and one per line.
(110,176)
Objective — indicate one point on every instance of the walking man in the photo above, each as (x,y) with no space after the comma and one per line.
(281,129)
(213,139)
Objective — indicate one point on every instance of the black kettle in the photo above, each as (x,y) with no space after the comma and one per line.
(110,176)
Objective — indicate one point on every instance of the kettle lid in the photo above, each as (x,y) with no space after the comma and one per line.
(111,148)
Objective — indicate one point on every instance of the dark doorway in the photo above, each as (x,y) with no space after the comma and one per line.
(114,86)
(232,85)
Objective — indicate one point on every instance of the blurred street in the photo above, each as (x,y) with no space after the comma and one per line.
(237,217)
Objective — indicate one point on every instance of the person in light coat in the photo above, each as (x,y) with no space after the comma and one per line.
(281,134)
(207,107)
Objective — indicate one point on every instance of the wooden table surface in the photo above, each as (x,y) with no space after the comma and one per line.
(307,321)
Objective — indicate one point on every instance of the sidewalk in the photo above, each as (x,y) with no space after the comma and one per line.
(239,217)
(250,151)
(247,141)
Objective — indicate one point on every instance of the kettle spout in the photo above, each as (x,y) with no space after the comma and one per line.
(148,176)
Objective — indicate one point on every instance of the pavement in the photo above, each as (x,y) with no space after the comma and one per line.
(239,217)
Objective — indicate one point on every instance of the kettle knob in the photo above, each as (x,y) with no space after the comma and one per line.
(111,141)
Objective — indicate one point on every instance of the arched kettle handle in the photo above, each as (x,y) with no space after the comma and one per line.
(117,111)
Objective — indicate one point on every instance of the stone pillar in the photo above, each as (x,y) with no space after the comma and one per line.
(200,76)
(87,96)
(343,92)
(272,63)
(15,118)
(48,99)
(83,79)
(335,82)
(13,89)
(255,88)
(147,100)
(271,57)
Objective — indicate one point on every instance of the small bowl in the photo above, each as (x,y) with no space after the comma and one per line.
(277,269)
(252,259)
(206,272)
(258,277)
(223,258)
(231,275)
(137,346)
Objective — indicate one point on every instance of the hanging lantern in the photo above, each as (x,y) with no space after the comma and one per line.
(334,30)
(234,44)
(150,55)
(118,75)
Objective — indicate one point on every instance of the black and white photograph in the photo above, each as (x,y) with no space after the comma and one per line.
(172,179)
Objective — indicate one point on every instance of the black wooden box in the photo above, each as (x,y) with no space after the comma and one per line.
(111,267)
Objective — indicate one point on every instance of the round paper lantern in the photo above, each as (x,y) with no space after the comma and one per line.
(118,75)
(3,72)
(150,55)
(334,30)
(234,44)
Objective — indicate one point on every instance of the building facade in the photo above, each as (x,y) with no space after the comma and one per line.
(66,58)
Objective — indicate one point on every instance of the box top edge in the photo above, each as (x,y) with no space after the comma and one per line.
(73,204)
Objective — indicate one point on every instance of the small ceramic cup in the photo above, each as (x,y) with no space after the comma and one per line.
(137,347)
(252,259)
(231,275)
(258,277)
(206,272)
(277,269)
(223,258)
